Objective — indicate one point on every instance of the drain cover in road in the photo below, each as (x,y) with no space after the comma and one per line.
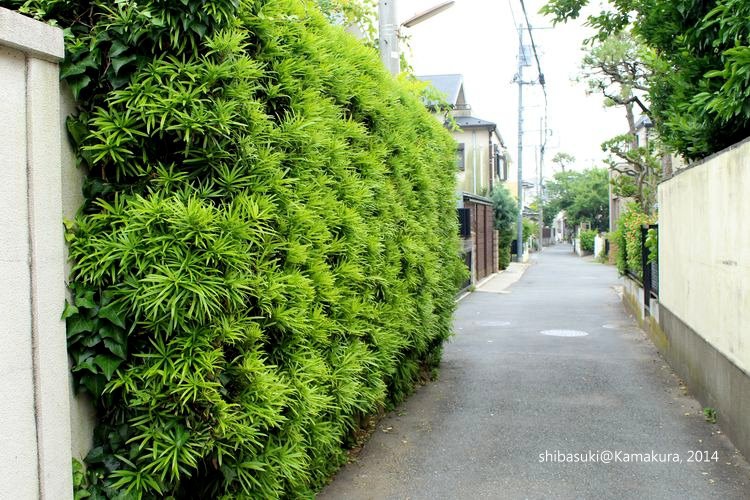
(564,333)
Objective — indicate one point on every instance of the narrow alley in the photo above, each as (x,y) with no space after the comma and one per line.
(510,399)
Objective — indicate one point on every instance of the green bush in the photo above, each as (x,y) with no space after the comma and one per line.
(268,248)
(629,243)
(587,240)
(504,240)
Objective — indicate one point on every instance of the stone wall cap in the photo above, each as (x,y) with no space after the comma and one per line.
(30,36)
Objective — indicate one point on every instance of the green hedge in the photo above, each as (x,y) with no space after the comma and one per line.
(587,240)
(628,237)
(268,248)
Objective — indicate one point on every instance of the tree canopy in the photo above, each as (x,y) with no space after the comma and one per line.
(583,195)
(699,86)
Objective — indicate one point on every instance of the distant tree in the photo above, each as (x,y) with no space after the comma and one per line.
(583,195)
(563,160)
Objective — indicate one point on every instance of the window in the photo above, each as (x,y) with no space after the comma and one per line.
(460,157)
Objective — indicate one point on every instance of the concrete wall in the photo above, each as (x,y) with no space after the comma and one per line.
(35,440)
(704,284)
(704,251)
(599,245)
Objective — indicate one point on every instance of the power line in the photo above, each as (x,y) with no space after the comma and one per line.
(538,66)
(533,48)
(512,14)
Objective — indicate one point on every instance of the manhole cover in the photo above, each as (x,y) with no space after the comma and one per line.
(493,323)
(564,333)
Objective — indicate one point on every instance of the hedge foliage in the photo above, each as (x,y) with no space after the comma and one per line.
(587,240)
(268,249)
(629,241)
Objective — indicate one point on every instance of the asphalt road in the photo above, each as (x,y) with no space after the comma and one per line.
(508,398)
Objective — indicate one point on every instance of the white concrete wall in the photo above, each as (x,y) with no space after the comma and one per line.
(599,242)
(34,413)
(704,251)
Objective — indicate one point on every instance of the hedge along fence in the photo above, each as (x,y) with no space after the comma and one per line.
(268,249)
(628,238)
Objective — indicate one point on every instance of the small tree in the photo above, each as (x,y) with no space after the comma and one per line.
(506,213)
(583,195)
(615,67)
(563,160)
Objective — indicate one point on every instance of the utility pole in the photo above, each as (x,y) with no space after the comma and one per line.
(388,30)
(540,186)
(519,78)
(387,36)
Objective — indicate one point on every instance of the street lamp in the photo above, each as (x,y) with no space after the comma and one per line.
(388,32)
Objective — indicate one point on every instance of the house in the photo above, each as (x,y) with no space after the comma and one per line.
(482,162)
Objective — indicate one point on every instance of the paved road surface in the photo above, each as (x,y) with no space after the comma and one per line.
(506,394)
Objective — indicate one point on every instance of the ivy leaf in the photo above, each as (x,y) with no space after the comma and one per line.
(119,62)
(113,312)
(78,324)
(199,28)
(92,340)
(69,310)
(86,364)
(86,300)
(117,48)
(116,348)
(77,129)
(78,84)
(108,364)
(96,455)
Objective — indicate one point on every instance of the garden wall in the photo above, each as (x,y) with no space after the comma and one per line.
(704,276)
(35,442)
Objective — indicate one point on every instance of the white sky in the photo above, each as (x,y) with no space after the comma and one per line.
(478,38)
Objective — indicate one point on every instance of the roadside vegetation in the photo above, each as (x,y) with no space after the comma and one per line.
(268,249)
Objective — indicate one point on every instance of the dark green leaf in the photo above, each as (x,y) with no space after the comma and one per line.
(119,62)
(108,364)
(77,324)
(86,299)
(116,348)
(69,310)
(113,312)
(96,455)
(78,84)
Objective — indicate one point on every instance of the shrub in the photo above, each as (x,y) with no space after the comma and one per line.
(505,238)
(506,211)
(268,248)
(630,244)
(587,240)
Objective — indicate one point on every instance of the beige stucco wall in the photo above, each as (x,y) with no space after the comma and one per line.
(476,151)
(704,251)
(34,409)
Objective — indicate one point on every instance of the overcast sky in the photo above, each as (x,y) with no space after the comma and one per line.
(479,39)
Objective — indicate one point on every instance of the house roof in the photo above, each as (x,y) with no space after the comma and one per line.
(470,121)
(450,85)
